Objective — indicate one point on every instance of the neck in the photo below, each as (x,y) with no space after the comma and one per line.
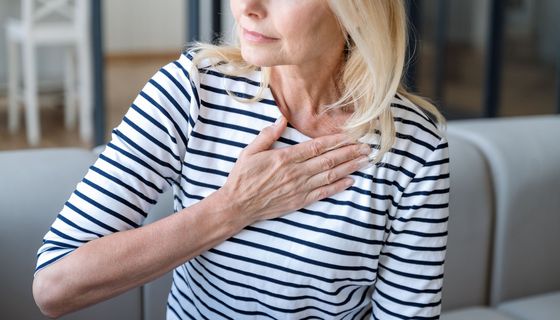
(304,90)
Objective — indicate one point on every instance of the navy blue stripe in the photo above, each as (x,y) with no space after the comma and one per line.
(298,272)
(122,184)
(106,209)
(151,138)
(283,310)
(341,218)
(154,122)
(145,152)
(141,162)
(130,171)
(328,231)
(423,116)
(180,276)
(274,280)
(420,234)
(238,111)
(41,266)
(405,288)
(411,261)
(163,111)
(177,84)
(424,206)
(205,170)
(395,168)
(185,296)
(226,93)
(296,257)
(65,236)
(426,193)
(407,303)
(60,245)
(236,78)
(436,163)
(418,125)
(430,178)
(90,218)
(414,248)
(115,197)
(218,140)
(74,225)
(210,296)
(211,155)
(172,100)
(193,86)
(401,316)
(410,275)
(313,244)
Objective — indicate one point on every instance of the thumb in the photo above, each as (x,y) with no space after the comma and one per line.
(267,136)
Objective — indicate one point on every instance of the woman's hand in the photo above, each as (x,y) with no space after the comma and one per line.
(265,184)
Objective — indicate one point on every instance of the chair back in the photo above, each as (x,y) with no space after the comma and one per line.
(71,12)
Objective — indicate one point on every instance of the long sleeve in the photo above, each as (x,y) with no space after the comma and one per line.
(143,159)
(410,270)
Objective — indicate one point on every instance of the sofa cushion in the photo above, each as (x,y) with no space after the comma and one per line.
(541,307)
(476,313)
(470,227)
(34,185)
(524,158)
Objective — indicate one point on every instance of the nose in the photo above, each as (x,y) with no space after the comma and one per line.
(255,9)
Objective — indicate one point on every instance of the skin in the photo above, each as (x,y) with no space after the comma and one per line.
(264,183)
(303,44)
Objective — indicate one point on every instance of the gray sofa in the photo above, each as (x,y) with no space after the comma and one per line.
(503,257)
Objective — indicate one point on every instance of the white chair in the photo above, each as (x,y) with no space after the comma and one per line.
(50,23)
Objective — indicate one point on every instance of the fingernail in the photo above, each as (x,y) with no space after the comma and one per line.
(365,149)
(364,162)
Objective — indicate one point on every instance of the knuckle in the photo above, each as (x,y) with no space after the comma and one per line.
(316,148)
(322,193)
(327,163)
(330,177)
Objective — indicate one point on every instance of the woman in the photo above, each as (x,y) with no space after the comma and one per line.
(292,222)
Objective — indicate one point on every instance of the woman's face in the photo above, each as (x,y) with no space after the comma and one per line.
(286,32)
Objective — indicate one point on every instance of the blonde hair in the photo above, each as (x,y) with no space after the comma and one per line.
(376,43)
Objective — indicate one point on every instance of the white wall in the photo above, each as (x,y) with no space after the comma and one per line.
(144,25)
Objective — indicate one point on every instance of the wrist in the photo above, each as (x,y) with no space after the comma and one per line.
(226,210)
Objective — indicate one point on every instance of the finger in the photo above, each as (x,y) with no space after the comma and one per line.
(339,172)
(333,158)
(329,190)
(267,137)
(318,146)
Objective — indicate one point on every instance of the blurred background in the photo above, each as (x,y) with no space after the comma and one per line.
(473,58)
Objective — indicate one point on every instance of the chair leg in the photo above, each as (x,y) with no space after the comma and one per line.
(33,126)
(13,86)
(70,88)
(86,96)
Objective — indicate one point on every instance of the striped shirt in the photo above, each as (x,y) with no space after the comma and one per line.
(375,250)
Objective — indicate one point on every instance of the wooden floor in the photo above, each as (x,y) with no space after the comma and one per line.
(124,75)
(528,89)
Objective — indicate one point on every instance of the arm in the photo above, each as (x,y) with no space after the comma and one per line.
(96,248)
(263,184)
(410,270)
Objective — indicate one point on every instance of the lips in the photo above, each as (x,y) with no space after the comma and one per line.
(253,36)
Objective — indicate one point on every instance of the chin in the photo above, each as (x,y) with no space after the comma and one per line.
(259,57)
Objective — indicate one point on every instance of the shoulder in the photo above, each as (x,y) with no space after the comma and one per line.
(212,72)
(413,124)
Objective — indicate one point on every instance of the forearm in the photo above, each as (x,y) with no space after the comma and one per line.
(111,265)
